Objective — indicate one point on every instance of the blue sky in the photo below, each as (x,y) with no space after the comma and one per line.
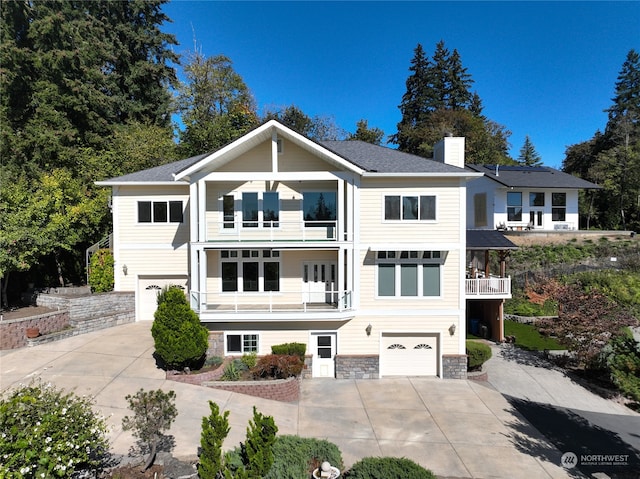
(543,69)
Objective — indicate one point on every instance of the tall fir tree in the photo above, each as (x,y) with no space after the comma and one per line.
(528,154)
(364,133)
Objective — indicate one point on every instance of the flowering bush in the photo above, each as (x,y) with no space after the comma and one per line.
(46,433)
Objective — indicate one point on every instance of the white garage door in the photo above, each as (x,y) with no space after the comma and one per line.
(409,354)
(148,289)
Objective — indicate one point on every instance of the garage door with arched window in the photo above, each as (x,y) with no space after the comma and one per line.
(409,354)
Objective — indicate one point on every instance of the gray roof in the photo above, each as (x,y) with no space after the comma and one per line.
(488,239)
(159,173)
(374,158)
(532,177)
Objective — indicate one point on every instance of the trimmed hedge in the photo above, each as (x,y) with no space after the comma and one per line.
(388,468)
(477,354)
(290,349)
(277,366)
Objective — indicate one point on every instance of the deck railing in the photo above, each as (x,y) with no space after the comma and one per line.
(324,230)
(492,286)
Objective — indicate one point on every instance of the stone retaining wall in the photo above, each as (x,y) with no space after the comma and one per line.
(527,319)
(454,366)
(285,390)
(13,331)
(357,366)
(95,306)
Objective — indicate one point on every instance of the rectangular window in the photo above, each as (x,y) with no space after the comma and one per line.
(536,199)
(558,206)
(514,206)
(242,343)
(229,276)
(386,280)
(271,276)
(412,274)
(480,209)
(160,212)
(408,280)
(319,208)
(228,211)
(250,276)
(410,208)
(270,209)
(391,207)
(250,210)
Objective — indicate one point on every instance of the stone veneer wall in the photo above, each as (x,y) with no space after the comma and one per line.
(454,366)
(357,366)
(216,344)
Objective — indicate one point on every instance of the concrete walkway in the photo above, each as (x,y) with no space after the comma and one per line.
(455,428)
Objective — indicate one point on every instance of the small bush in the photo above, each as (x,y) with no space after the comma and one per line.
(290,349)
(296,457)
(101,271)
(622,358)
(249,359)
(477,355)
(47,433)
(215,429)
(232,372)
(278,366)
(213,361)
(388,468)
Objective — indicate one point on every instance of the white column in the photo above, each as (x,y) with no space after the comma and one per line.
(202,260)
(274,150)
(202,206)
(193,212)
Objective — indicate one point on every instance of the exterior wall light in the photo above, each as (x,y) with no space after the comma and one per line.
(452,329)
(125,270)
(368,329)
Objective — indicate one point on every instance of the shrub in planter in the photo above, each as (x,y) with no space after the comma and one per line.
(278,366)
(477,355)
(290,349)
(49,433)
(388,468)
(180,340)
(101,271)
(296,457)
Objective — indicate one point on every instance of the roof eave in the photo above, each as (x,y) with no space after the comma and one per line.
(421,174)
(139,183)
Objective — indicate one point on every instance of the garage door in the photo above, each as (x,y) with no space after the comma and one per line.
(409,354)
(148,289)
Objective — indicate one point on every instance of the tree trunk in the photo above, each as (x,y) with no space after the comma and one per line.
(152,456)
(4,282)
(56,255)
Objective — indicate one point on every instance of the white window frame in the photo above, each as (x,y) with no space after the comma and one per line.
(238,211)
(409,195)
(242,335)
(236,256)
(420,262)
(168,206)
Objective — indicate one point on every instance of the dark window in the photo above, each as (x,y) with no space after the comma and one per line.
(250,276)
(271,276)
(250,210)
(144,211)
(391,207)
(536,199)
(229,276)
(514,206)
(409,207)
(234,343)
(427,207)
(318,207)
(175,211)
(270,209)
(228,206)
(159,212)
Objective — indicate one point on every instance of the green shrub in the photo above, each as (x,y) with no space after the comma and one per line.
(254,457)
(232,372)
(101,271)
(278,366)
(388,468)
(477,355)
(180,340)
(213,361)
(290,349)
(622,358)
(296,457)
(47,433)
(249,359)
(215,429)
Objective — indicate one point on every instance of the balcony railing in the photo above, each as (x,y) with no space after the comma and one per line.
(271,301)
(231,231)
(492,286)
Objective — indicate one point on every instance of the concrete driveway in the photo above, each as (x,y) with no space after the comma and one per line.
(455,428)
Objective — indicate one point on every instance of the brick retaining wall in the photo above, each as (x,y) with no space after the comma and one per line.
(285,390)
(13,331)
(357,366)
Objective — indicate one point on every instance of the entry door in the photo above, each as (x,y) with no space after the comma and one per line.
(319,282)
(535,218)
(324,353)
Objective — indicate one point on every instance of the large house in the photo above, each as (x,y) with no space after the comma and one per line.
(356,250)
(524,198)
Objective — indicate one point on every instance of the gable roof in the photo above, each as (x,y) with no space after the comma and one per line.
(353,155)
(488,239)
(532,177)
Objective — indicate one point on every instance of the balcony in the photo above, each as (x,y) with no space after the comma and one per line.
(488,288)
(273,305)
(271,231)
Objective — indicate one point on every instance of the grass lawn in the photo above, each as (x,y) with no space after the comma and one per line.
(528,337)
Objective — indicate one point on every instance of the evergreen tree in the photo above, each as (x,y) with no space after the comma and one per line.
(364,133)
(215,429)
(626,102)
(458,84)
(528,154)
(216,105)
